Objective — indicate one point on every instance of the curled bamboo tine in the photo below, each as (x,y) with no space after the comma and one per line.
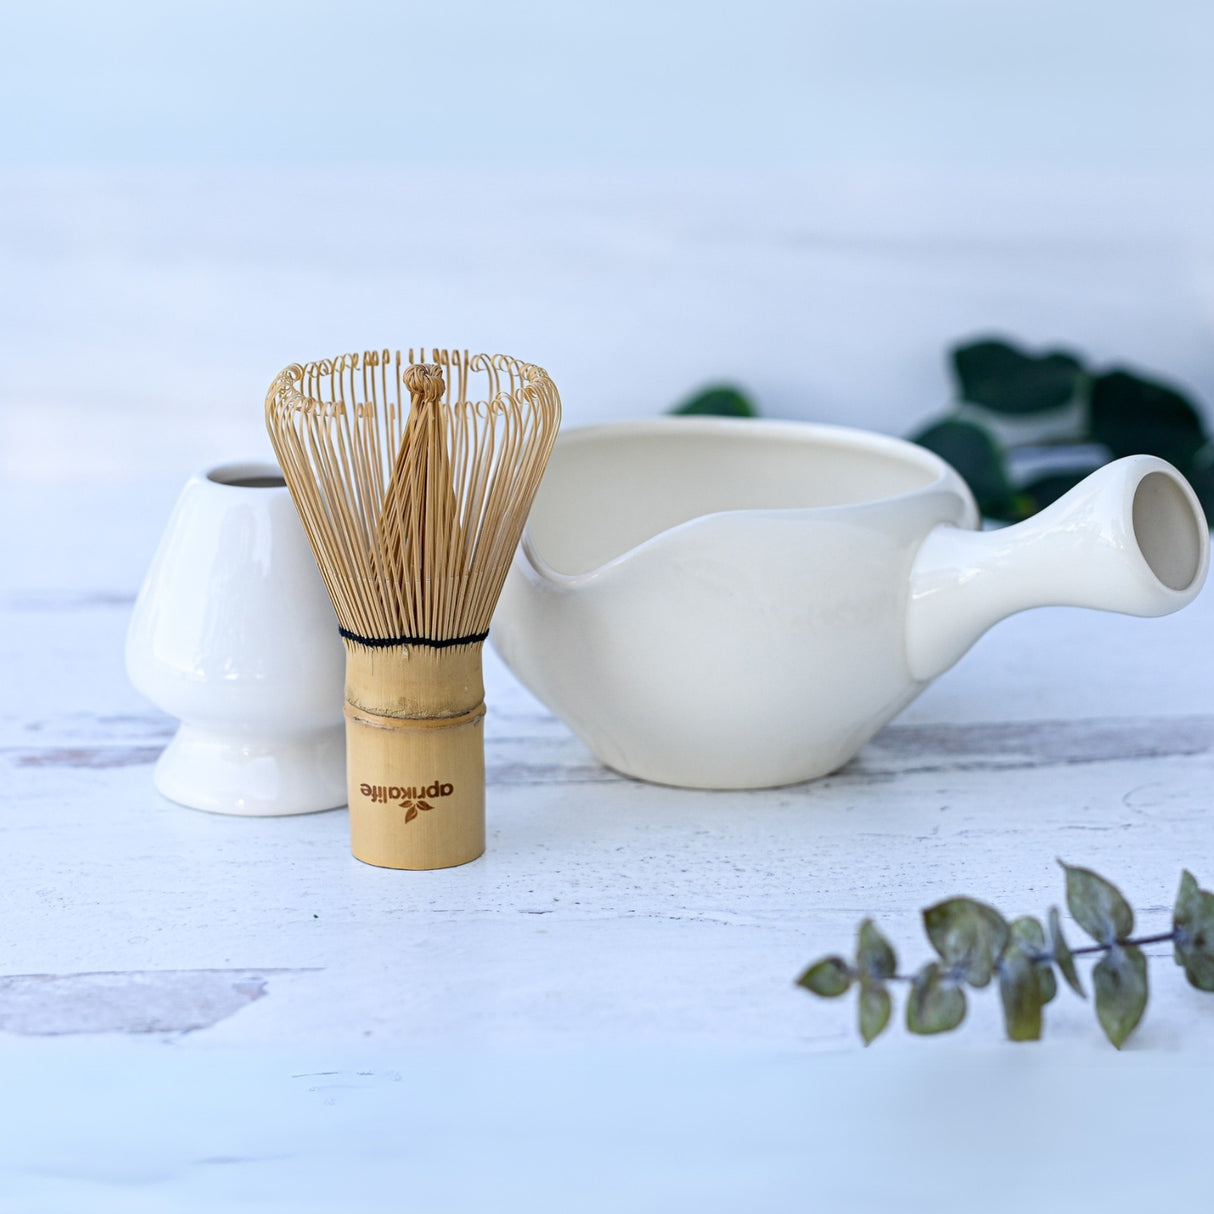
(413,512)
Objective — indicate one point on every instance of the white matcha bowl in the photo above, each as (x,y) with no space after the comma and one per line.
(721,603)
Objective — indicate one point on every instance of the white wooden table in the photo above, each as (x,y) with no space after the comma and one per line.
(202,1013)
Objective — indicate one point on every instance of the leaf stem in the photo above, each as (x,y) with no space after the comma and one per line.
(1087,950)
(1161,938)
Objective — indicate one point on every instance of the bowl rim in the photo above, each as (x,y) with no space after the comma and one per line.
(945,478)
(826,433)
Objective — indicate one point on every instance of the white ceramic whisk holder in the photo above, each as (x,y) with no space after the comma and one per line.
(234,634)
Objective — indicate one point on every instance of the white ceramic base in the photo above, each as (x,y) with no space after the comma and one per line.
(226,775)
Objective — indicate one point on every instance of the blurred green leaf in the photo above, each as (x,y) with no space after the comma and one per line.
(874,1009)
(720,400)
(973,452)
(1046,490)
(1200,474)
(969,936)
(1028,935)
(936,1004)
(1193,923)
(874,954)
(1132,415)
(1097,905)
(1002,377)
(1062,954)
(829,977)
(1119,980)
(1022,993)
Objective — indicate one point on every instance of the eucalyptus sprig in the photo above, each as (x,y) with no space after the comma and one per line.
(975,945)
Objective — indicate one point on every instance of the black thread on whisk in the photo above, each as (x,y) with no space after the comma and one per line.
(388,642)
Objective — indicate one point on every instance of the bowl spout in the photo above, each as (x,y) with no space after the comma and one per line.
(1131,537)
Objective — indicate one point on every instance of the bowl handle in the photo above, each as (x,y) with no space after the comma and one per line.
(1132,537)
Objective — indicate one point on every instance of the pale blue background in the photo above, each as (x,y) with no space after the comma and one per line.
(813,200)
(1030,85)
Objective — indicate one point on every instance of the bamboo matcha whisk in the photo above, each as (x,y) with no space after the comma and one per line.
(413,480)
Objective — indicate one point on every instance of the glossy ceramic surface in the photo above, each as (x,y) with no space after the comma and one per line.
(733,604)
(234,634)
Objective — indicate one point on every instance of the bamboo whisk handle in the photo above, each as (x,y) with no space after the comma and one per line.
(415,755)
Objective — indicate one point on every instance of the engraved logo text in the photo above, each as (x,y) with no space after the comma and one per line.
(411,798)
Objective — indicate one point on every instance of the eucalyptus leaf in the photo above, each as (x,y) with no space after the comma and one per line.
(1097,905)
(875,956)
(1193,923)
(969,936)
(936,1003)
(1027,933)
(1003,377)
(1062,954)
(1119,980)
(829,977)
(1046,980)
(1131,414)
(1028,936)
(720,400)
(1023,994)
(975,455)
(875,1006)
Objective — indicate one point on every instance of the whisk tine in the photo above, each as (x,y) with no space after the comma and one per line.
(458,496)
